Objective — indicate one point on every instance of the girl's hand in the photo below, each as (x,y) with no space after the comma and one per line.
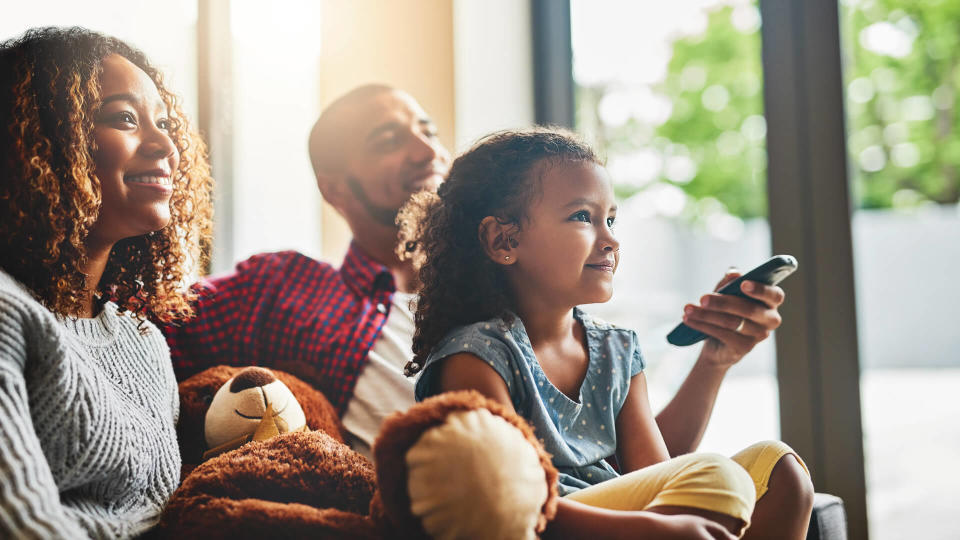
(686,526)
(735,325)
(577,520)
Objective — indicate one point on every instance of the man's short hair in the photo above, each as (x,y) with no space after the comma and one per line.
(325,142)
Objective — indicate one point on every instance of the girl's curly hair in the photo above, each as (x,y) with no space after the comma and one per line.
(50,196)
(499,176)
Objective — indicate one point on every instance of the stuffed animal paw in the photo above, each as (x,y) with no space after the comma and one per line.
(460,465)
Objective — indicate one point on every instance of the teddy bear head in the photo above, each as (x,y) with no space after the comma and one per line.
(224,406)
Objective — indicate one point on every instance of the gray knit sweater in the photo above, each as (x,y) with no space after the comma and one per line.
(87,414)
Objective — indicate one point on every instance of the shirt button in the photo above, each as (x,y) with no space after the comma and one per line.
(382,308)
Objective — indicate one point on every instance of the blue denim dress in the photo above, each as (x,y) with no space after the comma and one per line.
(578,434)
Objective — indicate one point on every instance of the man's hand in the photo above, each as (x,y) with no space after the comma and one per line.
(735,325)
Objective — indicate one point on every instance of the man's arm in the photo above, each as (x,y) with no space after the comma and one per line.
(221,312)
(735,326)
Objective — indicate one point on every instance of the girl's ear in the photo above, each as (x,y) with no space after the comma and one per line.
(498,240)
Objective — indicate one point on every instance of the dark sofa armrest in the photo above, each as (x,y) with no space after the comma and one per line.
(829,519)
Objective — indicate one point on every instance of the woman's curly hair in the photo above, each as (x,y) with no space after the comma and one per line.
(50,196)
(499,176)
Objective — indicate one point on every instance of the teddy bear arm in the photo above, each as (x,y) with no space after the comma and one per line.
(308,468)
(461,466)
(211,518)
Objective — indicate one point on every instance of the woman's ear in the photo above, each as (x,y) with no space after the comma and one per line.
(499,240)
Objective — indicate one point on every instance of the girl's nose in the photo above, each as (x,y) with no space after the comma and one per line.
(610,242)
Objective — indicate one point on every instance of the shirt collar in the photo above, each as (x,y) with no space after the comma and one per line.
(363,274)
(590,324)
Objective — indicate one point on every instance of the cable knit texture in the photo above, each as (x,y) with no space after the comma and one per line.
(87,414)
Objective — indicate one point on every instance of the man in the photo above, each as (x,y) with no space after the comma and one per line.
(348,331)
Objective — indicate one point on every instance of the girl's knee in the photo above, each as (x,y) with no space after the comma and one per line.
(790,478)
(717,472)
(710,482)
(726,469)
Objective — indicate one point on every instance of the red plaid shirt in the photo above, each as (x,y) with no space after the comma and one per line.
(288,311)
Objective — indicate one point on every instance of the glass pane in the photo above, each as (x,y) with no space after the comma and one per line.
(901,79)
(672,94)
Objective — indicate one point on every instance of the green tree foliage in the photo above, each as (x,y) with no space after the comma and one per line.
(715,83)
(901,108)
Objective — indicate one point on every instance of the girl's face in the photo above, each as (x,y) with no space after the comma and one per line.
(135,157)
(567,252)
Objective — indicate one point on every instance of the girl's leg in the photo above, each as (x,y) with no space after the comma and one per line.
(784,491)
(705,485)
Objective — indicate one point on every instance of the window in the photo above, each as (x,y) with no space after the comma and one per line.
(673,97)
(900,81)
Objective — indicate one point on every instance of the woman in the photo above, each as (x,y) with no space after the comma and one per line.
(104,202)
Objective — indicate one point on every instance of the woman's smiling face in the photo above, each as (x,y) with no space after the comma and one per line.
(135,158)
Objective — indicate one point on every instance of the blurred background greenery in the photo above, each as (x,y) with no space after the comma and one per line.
(901,72)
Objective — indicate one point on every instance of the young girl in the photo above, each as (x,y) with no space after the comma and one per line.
(104,201)
(519,235)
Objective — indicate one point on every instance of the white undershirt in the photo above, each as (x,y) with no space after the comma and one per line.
(381,387)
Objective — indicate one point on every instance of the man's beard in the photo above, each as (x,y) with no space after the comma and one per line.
(383,216)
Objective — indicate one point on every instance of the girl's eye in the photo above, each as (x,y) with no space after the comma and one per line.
(582,215)
(611,221)
(163,124)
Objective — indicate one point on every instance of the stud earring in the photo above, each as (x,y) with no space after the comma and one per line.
(506,257)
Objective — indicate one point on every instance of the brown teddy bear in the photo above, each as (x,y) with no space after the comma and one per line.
(264,454)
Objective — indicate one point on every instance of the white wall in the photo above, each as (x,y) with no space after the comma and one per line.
(276,200)
(493,67)
(906,266)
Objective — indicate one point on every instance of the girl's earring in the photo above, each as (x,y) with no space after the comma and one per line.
(506,257)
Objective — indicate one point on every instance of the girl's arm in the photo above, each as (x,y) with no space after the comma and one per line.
(684,420)
(465,371)
(639,442)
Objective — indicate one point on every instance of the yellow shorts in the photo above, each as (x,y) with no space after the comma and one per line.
(759,460)
(713,482)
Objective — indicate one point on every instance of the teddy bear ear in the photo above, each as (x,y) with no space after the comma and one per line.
(196,394)
(466,436)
